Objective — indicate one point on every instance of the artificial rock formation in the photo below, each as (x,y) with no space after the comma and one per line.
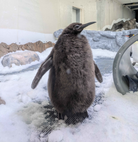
(19,58)
(127,25)
(37,46)
(105,39)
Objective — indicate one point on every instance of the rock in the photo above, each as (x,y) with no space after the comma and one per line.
(40,46)
(58,33)
(105,39)
(2,101)
(3,49)
(29,46)
(96,37)
(121,25)
(22,58)
(130,24)
(4,45)
(55,136)
(120,40)
(49,44)
(20,47)
(137,25)
(37,46)
(13,47)
(108,34)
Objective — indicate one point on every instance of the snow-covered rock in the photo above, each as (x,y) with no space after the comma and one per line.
(20,58)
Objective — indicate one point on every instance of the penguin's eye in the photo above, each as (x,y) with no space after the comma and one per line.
(77,26)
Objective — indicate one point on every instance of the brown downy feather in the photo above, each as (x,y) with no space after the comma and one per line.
(71,83)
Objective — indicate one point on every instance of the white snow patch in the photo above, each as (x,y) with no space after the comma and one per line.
(97,107)
(17,93)
(55,136)
(116,119)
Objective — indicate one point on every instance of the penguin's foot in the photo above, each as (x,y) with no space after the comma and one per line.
(76,118)
(60,116)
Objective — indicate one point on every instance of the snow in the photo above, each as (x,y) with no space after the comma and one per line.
(23,116)
(97,107)
(58,138)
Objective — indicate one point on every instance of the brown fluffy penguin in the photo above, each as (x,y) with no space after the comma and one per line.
(71,84)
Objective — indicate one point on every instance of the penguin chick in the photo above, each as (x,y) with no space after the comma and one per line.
(71,83)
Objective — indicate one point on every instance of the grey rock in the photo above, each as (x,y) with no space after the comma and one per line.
(104,39)
(110,35)
(22,58)
(121,25)
(58,33)
(120,40)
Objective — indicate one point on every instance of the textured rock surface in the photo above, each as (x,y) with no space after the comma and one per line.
(121,25)
(2,101)
(37,46)
(99,39)
(3,49)
(19,58)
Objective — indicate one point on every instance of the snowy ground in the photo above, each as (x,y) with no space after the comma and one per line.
(23,117)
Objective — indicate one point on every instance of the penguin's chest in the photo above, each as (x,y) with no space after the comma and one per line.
(73,69)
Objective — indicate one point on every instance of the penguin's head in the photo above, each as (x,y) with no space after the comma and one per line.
(76,28)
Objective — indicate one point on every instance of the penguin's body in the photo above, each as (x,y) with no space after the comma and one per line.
(71,83)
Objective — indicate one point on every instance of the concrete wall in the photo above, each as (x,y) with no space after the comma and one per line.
(46,16)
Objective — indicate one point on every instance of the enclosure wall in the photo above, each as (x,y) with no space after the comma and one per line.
(19,17)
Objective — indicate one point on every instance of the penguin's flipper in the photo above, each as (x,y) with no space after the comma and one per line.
(45,66)
(98,74)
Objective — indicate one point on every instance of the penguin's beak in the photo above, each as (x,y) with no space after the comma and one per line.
(87,24)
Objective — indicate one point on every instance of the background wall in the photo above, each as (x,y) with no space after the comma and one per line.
(24,19)
(110,10)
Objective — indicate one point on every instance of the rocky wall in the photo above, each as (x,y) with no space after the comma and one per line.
(104,39)
(37,46)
